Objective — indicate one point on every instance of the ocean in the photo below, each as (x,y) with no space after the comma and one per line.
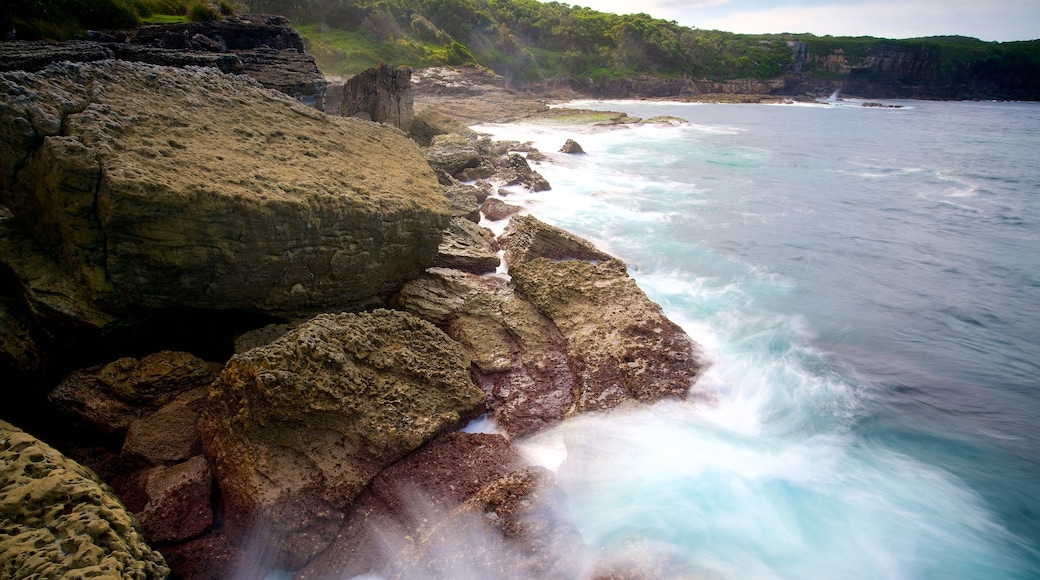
(865,284)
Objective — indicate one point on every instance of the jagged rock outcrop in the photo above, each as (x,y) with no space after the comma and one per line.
(262,46)
(520,357)
(229,196)
(296,429)
(571,146)
(518,172)
(382,94)
(527,238)
(430,123)
(622,345)
(468,247)
(408,497)
(178,505)
(58,520)
(463,200)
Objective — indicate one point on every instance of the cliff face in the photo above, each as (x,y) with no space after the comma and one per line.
(922,71)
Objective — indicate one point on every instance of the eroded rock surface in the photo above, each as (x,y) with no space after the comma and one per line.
(410,496)
(296,429)
(623,345)
(228,196)
(468,247)
(528,238)
(382,94)
(58,520)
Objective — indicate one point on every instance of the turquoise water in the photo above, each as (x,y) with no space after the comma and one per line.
(866,285)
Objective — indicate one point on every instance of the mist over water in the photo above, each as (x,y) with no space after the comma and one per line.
(866,285)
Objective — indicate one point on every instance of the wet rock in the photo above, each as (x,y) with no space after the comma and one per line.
(520,357)
(211,557)
(623,345)
(518,172)
(528,238)
(109,398)
(58,520)
(468,247)
(410,496)
(227,197)
(571,146)
(510,528)
(296,429)
(495,209)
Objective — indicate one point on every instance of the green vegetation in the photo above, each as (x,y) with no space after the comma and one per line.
(63,19)
(528,41)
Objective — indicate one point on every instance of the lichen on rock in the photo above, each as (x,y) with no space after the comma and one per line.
(58,520)
(296,429)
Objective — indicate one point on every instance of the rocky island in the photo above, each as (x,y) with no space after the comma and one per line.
(249,331)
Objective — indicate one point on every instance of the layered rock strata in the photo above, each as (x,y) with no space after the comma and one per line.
(229,196)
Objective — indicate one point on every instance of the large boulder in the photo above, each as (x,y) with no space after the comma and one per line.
(452,153)
(58,520)
(430,123)
(527,238)
(520,358)
(468,247)
(296,429)
(229,196)
(624,346)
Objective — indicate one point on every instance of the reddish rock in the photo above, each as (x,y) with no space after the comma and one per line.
(408,496)
(110,397)
(169,435)
(495,209)
(211,557)
(178,505)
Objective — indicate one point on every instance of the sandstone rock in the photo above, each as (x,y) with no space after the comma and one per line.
(625,347)
(229,196)
(34,55)
(571,146)
(430,123)
(463,200)
(527,238)
(295,430)
(482,171)
(168,435)
(497,148)
(520,356)
(261,336)
(410,496)
(110,397)
(452,153)
(510,528)
(58,520)
(178,505)
(381,94)
(468,247)
(495,209)
(518,172)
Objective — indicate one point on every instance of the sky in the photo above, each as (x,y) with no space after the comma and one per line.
(999,20)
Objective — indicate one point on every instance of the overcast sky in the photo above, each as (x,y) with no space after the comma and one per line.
(1000,20)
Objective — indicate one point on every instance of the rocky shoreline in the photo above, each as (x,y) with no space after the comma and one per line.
(252,331)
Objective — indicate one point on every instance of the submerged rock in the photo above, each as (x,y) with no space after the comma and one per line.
(571,146)
(228,196)
(296,429)
(58,520)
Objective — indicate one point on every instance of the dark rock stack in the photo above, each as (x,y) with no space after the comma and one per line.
(381,94)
